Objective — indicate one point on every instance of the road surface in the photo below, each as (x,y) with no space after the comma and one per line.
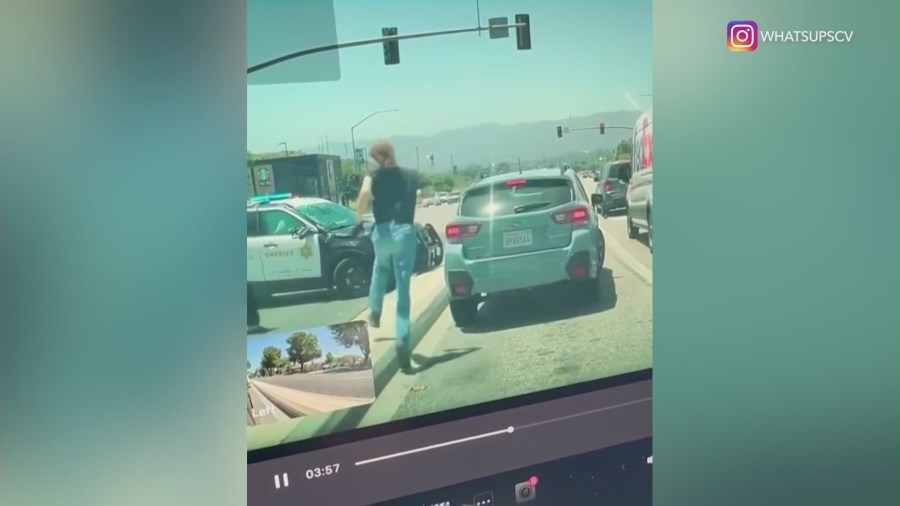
(318,309)
(358,384)
(541,340)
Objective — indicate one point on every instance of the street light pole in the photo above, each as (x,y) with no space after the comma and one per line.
(418,167)
(353,135)
(285,148)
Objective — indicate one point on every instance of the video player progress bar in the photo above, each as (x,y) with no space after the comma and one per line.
(508,430)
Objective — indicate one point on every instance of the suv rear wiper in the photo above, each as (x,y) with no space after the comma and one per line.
(531,207)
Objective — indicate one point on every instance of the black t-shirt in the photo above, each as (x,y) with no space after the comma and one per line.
(394,191)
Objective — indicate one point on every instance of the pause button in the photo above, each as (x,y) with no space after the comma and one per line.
(281,480)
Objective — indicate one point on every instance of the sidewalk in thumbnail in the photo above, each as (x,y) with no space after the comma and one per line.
(295,403)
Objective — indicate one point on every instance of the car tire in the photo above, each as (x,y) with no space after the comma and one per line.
(253,319)
(464,311)
(262,298)
(633,232)
(590,289)
(604,212)
(351,278)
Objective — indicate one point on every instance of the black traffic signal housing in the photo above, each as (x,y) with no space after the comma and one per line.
(523,33)
(559,132)
(391,47)
(354,181)
(602,128)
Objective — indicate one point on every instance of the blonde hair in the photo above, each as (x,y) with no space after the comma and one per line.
(383,154)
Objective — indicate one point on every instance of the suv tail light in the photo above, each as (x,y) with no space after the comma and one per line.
(607,186)
(460,283)
(579,266)
(577,217)
(458,231)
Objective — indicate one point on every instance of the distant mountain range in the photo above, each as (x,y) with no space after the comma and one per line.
(495,143)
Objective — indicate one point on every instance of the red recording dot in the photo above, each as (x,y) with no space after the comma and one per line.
(533,481)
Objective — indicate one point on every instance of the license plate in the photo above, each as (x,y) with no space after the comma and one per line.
(517,239)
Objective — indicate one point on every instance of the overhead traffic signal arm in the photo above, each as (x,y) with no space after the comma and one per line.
(602,127)
(391,46)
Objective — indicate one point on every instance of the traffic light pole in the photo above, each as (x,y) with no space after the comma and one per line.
(380,40)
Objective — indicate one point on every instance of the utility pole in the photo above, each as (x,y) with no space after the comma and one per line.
(418,167)
(519,159)
(478,14)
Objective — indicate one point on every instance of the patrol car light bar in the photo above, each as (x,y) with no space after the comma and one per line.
(270,198)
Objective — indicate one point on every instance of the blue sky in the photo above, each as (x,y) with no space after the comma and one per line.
(588,56)
(256,344)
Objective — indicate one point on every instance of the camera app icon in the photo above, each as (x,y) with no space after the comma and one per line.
(742,36)
(526,491)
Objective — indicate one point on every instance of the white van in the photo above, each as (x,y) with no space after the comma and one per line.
(640,185)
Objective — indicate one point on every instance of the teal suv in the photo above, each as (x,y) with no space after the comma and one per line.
(516,232)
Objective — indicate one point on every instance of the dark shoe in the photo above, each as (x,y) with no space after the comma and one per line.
(404,359)
(374,319)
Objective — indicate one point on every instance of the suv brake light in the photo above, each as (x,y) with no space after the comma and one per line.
(607,186)
(457,232)
(577,216)
(515,182)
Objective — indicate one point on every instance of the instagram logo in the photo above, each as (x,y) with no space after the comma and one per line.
(742,36)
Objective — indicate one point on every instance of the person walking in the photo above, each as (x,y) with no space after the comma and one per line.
(392,192)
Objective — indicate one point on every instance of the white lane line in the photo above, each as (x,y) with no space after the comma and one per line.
(630,262)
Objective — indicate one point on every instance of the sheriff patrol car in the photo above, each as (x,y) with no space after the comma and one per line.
(297,244)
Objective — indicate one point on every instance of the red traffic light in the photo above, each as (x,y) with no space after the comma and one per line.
(559,132)
(602,128)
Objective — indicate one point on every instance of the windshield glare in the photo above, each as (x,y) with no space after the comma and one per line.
(328,215)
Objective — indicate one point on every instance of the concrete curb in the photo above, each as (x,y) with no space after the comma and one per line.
(297,409)
(386,366)
(285,407)
(280,415)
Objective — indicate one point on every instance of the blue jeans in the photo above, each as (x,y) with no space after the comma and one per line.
(395,250)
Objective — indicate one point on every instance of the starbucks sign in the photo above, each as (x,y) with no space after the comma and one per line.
(264,176)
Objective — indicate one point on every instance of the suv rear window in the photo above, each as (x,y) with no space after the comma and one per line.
(502,199)
(618,170)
